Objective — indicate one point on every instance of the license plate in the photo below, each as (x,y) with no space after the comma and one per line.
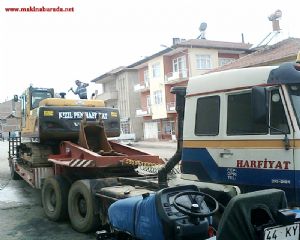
(289,232)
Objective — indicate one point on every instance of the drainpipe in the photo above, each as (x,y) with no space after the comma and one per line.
(174,160)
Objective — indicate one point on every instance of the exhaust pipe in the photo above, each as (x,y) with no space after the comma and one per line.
(174,160)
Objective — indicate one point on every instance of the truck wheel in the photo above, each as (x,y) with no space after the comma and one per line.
(13,173)
(82,208)
(55,198)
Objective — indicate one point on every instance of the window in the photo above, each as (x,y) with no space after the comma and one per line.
(156,70)
(175,65)
(169,127)
(179,64)
(277,114)
(146,78)
(157,97)
(203,62)
(125,126)
(38,96)
(239,116)
(294,91)
(148,101)
(224,61)
(208,116)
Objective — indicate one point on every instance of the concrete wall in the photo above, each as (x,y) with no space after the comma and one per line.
(129,101)
(136,123)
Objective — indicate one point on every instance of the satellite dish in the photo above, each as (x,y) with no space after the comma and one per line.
(276,15)
(203,27)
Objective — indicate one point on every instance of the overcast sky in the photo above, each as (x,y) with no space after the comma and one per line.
(54,49)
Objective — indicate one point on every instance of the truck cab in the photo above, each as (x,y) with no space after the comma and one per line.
(243,128)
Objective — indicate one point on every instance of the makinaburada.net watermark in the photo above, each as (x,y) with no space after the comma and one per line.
(40,9)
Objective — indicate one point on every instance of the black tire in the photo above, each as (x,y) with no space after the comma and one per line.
(13,174)
(55,198)
(81,207)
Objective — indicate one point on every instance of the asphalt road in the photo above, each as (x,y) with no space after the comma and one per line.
(21,212)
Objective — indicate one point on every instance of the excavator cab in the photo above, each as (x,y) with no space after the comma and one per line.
(36,95)
(30,100)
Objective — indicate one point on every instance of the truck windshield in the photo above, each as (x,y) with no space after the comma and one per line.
(38,96)
(294,91)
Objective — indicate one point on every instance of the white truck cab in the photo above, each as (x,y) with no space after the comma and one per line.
(241,127)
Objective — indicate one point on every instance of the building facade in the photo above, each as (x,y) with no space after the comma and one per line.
(118,93)
(10,113)
(171,67)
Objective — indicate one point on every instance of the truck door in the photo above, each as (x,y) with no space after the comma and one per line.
(256,156)
(294,93)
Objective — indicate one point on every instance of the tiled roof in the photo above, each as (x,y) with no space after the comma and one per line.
(192,43)
(4,115)
(146,59)
(203,43)
(198,43)
(6,109)
(116,70)
(110,73)
(266,55)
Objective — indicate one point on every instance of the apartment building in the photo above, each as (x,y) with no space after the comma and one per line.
(117,86)
(171,67)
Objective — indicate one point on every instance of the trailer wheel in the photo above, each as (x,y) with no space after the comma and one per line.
(13,173)
(81,207)
(55,198)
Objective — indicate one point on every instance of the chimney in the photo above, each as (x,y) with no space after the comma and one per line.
(275,25)
(274,18)
(176,41)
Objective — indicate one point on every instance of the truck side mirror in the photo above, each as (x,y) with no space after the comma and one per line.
(259,105)
(16,98)
(180,97)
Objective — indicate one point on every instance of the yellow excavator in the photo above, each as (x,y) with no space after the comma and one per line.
(47,120)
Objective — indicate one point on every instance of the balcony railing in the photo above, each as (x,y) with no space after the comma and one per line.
(142,87)
(175,77)
(171,107)
(142,112)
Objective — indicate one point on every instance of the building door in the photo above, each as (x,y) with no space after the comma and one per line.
(250,154)
(150,130)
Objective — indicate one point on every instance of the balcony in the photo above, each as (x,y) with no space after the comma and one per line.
(176,77)
(171,107)
(108,96)
(144,112)
(142,87)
